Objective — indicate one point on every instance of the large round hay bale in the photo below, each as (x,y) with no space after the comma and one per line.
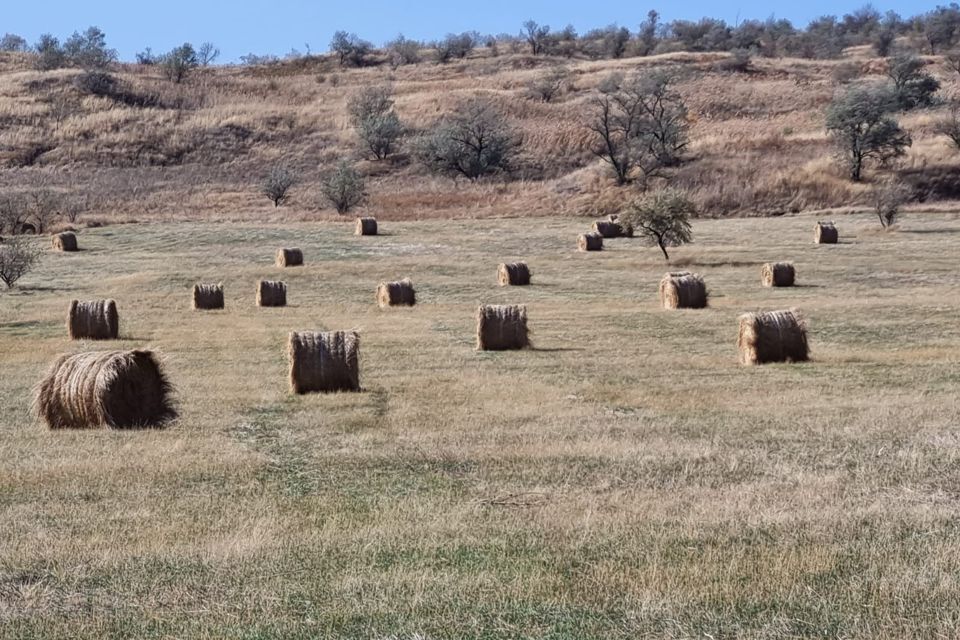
(119,389)
(683,290)
(513,273)
(401,292)
(590,242)
(271,293)
(93,320)
(777,274)
(208,296)
(289,257)
(502,327)
(66,241)
(366,227)
(825,233)
(324,361)
(772,336)
(612,229)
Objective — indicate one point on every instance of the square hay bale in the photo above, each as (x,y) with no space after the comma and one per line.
(778,274)
(590,242)
(93,320)
(271,293)
(208,296)
(366,227)
(324,361)
(66,241)
(119,389)
(683,290)
(825,233)
(289,258)
(515,274)
(502,327)
(401,292)
(772,336)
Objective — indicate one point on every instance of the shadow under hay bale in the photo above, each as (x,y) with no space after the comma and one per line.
(612,229)
(825,233)
(119,389)
(66,241)
(93,320)
(516,274)
(392,294)
(778,274)
(289,258)
(502,327)
(324,361)
(683,290)
(772,336)
(590,242)
(271,293)
(366,227)
(208,296)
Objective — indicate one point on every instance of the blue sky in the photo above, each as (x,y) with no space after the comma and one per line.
(277,26)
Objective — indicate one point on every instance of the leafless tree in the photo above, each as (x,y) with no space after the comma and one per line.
(887,197)
(17,257)
(277,185)
(549,84)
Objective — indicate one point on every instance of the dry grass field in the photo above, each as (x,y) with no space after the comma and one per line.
(625,478)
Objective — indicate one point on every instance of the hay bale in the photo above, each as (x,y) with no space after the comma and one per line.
(778,274)
(366,227)
(502,327)
(66,241)
(401,292)
(324,361)
(683,290)
(289,258)
(513,273)
(119,389)
(93,320)
(271,293)
(208,296)
(825,233)
(590,242)
(772,336)
(612,229)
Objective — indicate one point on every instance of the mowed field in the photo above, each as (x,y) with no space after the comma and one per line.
(625,478)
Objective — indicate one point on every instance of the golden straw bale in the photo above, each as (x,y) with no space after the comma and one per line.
(324,361)
(502,327)
(366,227)
(777,274)
(825,233)
(391,294)
(66,241)
(289,257)
(513,273)
(93,320)
(271,293)
(683,290)
(590,242)
(772,336)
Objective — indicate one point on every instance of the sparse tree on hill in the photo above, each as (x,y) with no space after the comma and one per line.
(456,46)
(375,121)
(179,62)
(949,125)
(913,87)
(49,53)
(887,197)
(277,185)
(403,51)
(343,188)
(13,213)
(662,218)
(548,84)
(536,36)
(859,122)
(17,257)
(647,38)
(12,43)
(88,50)
(350,49)
(883,42)
(44,207)
(207,54)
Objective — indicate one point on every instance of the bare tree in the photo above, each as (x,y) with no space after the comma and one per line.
(44,206)
(886,198)
(536,36)
(663,218)
(207,54)
(403,51)
(17,257)
(950,125)
(343,188)
(13,214)
(548,84)
(277,185)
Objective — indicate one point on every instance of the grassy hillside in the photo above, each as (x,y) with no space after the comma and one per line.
(199,150)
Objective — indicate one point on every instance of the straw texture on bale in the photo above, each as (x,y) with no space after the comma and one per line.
(683,290)
(778,274)
(324,361)
(93,320)
(612,229)
(513,273)
(66,241)
(502,327)
(289,257)
(366,227)
(271,293)
(590,242)
(401,292)
(120,389)
(208,296)
(772,336)
(825,233)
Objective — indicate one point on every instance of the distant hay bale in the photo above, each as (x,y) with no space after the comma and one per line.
(590,242)
(208,296)
(613,217)
(513,273)
(289,258)
(66,241)
(271,293)
(825,233)
(612,229)
(778,274)
(772,336)
(324,361)
(401,292)
(502,327)
(366,227)
(120,389)
(93,320)
(683,290)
